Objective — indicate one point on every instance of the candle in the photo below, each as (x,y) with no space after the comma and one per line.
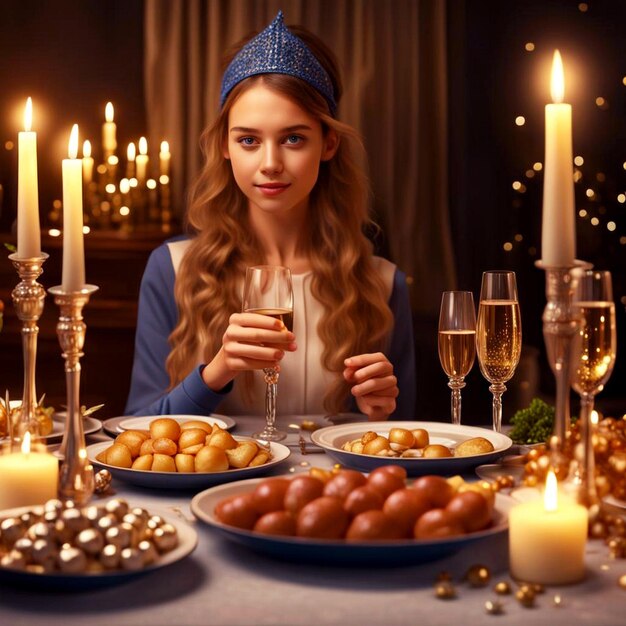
(130,160)
(73,253)
(27,477)
(547,539)
(109,140)
(87,162)
(141,162)
(558,231)
(28,229)
(164,160)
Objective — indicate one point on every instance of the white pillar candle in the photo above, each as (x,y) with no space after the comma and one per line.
(28,229)
(109,129)
(27,477)
(547,539)
(73,251)
(87,162)
(164,159)
(141,161)
(558,229)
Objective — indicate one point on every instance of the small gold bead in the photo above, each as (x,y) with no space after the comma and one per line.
(445,590)
(622,581)
(478,575)
(502,588)
(525,596)
(494,607)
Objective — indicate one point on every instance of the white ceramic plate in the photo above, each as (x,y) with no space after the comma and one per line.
(339,552)
(90,426)
(333,437)
(116,425)
(188,540)
(186,480)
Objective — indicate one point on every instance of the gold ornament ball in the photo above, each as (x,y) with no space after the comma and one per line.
(525,595)
(494,607)
(478,575)
(445,590)
(622,581)
(102,481)
(502,588)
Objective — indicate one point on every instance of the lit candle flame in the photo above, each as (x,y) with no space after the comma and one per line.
(28,115)
(72,150)
(550,499)
(131,151)
(108,112)
(86,149)
(557,84)
(26,443)
(594,417)
(165,147)
(143,145)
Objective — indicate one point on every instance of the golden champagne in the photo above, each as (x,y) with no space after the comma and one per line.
(284,315)
(457,349)
(498,339)
(593,352)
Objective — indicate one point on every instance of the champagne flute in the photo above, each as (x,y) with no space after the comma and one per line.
(457,343)
(498,335)
(268,291)
(593,356)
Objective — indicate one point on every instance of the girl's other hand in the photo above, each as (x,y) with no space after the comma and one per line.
(374,385)
(251,342)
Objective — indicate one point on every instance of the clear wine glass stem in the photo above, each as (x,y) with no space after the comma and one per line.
(456,384)
(588,493)
(497,389)
(271,380)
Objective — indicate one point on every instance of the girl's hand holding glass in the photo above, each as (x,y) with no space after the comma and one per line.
(375,387)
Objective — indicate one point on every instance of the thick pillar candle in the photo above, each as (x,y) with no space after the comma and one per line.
(558,230)
(27,477)
(109,130)
(164,159)
(547,539)
(73,250)
(28,229)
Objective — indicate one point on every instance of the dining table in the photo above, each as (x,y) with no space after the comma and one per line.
(224,583)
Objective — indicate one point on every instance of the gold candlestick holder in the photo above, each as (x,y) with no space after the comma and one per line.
(28,299)
(560,324)
(76,476)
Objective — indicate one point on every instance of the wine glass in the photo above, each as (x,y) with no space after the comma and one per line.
(593,355)
(498,335)
(268,291)
(457,343)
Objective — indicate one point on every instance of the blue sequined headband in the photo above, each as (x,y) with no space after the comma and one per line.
(278,51)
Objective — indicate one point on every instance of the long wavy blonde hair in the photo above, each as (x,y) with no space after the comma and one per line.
(345,282)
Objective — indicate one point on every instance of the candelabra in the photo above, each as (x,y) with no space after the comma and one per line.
(28,299)
(76,477)
(560,324)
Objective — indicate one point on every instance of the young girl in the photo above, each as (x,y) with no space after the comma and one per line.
(283,185)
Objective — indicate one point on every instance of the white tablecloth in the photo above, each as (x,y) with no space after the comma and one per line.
(226,584)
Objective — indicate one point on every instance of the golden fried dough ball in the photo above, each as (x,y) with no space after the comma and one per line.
(191,437)
(222,439)
(357,447)
(143,462)
(185,462)
(207,428)
(242,455)
(164,445)
(132,439)
(211,459)
(261,458)
(476,445)
(146,447)
(374,446)
(165,427)
(402,437)
(421,438)
(370,435)
(163,463)
(436,451)
(119,455)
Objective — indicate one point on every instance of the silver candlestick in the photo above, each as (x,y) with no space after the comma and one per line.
(28,299)
(560,324)
(76,476)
